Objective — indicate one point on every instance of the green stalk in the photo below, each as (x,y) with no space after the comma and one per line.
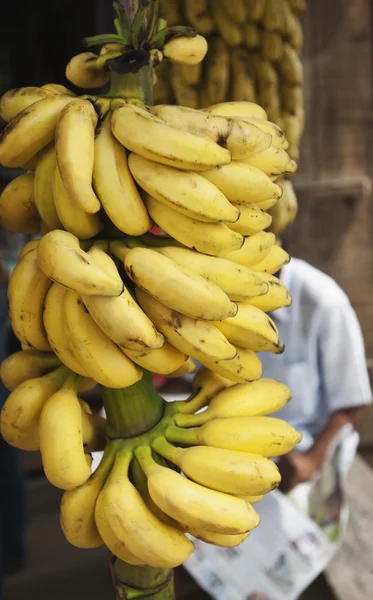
(188,437)
(141,582)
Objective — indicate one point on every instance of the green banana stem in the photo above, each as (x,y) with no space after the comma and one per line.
(185,420)
(188,437)
(133,410)
(137,85)
(167,450)
(132,582)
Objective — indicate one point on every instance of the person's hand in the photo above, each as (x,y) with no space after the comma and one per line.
(297,467)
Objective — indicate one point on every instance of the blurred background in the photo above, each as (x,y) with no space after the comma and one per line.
(333,232)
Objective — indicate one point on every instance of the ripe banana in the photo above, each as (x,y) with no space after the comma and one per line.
(291,66)
(255,248)
(75,152)
(61,438)
(205,385)
(266,436)
(191,75)
(255,9)
(197,13)
(217,72)
(77,510)
(241,182)
(114,185)
(252,219)
(243,77)
(185,94)
(18,212)
(151,541)
(186,368)
(31,130)
(61,259)
(271,45)
(82,71)
(273,262)
(27,289)
(57,88)
(274,16)
(163,278)
(236,9)
(193,504)
(251,328)
(216,539)
(100,357)
(196,338)
(21,411)
(228,471)
(43,187)
(15,101)
(55,325)
(186,50)
(245,366)
(229,30)
(255,399)
(233,279)
(276,297)
(209,238)
(184,191)
(121,318)
(241,138)
(21,366)
(142,132)
(251,34)
(27,247)
(238,109)
(74,219)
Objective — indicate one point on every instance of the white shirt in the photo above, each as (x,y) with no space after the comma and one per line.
(324,360)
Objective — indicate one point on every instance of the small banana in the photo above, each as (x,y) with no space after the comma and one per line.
(290,66)
(193,504)
(57,88)
(217,71)
(75,152)
(191,75)
(18,212)
(142,132)
(266,436)
(27,289)
(241,138)
(252,35)
(252,219)
(236,9)
(255,399)
(185,94)
(186,50)
(238,108)
(186,368)
(255,248)
(245,366)
(271,45)
(229,30)
(82,71)
(100,357)
(61,438)
(61,259)
(21,412)
(276,297)
(15,101)
(223,540)
(274,16)
(228,471)
(114,185)
(209,238)
(27,247)
(255,9)
(184,191)
(31,130)
(240,182)
(196,338)
(77,510)
(243,86)
(163,360)
(43,187)
(21,366)
(146,537)
(273,262)
(206,384)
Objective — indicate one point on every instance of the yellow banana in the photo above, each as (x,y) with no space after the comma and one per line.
(18,212)
(209,238)
(253,499)
(266,436)
(294,30)
(292,98)
(240,182)
(293,127)
(228,471)
(255,399)
(206,384)
(82,71)
(185,94)
(27,247)
(233,279)
(252,219)
(163,360)
(61,259)
(241,138)
(74,219)
(21,366)
(196,338)
(77,510)
(251,328)
(251,34)
(229,30)
(100,357)
(273,161)
(216,75)
(274,16)
(163,278)
(75,152)
(150,540)
(290,66)
(245,366)
(20,414)
(27,289)
(216,539)
(142,132)
(114,185)
(57,88)
(31,130)
(43,187)
(243,86)
(255,248)
(272,263)
(186,368)
(193,504)
(255,9)
(191,74)
(121,318)
(238,109)
(184,191)
(55,325)
(197,13)
(236,9)
(271,45)
(186,50)
(267,204)
(61,438)
(276,297)
(15,101)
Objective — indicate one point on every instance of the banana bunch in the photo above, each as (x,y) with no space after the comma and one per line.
(141,507)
